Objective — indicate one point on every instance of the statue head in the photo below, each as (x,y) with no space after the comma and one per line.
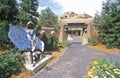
(30,25)
(43,32)
(52,33)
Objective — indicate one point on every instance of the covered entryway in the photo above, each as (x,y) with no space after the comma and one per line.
(75,31)
(78,25)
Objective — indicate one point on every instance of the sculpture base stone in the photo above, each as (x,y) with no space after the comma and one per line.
(39,64)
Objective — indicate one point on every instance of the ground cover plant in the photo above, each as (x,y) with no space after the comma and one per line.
(104,68)
(10,63)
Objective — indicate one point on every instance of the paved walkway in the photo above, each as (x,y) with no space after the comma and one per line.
(74,62)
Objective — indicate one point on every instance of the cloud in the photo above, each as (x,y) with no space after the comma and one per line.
(41,8)
(80,6)
(54,6)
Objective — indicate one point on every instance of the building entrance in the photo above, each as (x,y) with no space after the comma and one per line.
(75,30)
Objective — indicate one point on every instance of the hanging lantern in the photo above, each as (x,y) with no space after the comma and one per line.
(66,28)
(85,28)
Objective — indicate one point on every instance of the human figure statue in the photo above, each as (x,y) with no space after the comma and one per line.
(32,36)
(24,38)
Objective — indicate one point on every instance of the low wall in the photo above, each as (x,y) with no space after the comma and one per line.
(48,31)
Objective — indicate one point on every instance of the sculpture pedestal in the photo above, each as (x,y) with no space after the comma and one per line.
(38,65)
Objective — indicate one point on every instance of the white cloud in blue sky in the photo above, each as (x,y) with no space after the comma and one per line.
(79,6)
(54,6)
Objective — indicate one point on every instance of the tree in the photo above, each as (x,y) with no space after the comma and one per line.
(28,11)
(8,12)
(109,24)
(97,20)
(48,19)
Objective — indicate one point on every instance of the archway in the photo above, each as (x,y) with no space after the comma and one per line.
(75,30)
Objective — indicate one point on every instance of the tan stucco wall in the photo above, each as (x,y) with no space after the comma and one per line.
(65,21)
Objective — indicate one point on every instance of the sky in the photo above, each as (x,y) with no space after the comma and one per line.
(78,6)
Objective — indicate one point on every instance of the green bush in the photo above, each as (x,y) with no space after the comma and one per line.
(60,44)
(10,63)
(93,41)
(108,23)
(67,43)
(4,40)
(50,42)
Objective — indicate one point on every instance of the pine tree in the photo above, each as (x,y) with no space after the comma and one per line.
(48,19)
(28,11)
(109,24)
(8,12)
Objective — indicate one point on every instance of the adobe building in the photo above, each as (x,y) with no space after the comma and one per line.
(75,25)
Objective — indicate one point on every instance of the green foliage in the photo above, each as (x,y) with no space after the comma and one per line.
(48,19)
(10,63)
(94,41)
(8,12)
(64,43)
(105,68)
(23,18)
(50,42)
(60,44)
(28,12)
(108,23)
(15,13)
(67,43)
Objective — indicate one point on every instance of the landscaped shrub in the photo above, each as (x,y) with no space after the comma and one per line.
(60,44)
(103,68)
(67,43)
(45,40)
(108,23)
(93,41)
(10,63)
(52,43)
(4,40)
